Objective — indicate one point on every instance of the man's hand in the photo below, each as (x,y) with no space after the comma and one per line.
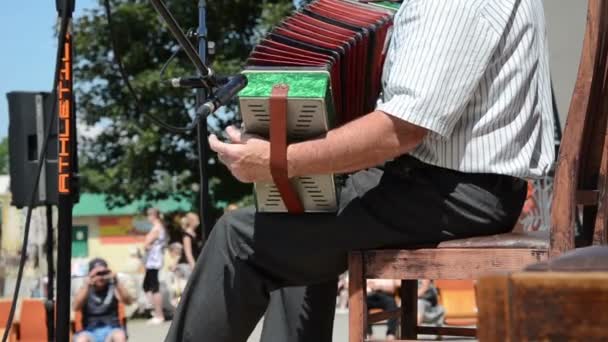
(94,276)
(247,158)
(112,277)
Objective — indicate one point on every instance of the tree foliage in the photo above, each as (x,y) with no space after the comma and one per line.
(4,156)
(129,157)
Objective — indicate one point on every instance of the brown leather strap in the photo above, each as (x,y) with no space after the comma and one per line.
(278,148)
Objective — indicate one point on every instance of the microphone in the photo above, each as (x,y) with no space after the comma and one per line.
(196,82)
(223,95)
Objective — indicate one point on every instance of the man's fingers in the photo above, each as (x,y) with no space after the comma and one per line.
(227,153)
(234,134)
(218,146)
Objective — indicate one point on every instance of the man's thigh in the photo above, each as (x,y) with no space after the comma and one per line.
(101,334)
(312,248)
(116,335)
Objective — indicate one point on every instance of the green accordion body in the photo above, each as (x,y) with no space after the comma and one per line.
(310,114)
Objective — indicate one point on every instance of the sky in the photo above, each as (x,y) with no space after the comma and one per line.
(28,48)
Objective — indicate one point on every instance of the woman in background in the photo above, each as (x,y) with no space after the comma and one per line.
(191,240)
(154,244)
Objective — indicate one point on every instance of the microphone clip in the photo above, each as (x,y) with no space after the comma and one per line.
(194,82)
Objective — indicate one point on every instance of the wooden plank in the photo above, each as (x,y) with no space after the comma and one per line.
(559,306)
(383,316)
(587,197)
(409,308)
(599,235)
(593,156)
(567,174)
(357,305)
(493,319)
(447,331)
(448,263)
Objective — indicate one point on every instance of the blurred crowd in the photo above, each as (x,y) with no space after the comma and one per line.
(150,283)
(152,279)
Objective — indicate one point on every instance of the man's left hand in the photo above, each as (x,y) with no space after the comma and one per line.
(247,157)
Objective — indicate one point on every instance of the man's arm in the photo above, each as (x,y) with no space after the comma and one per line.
(81,296)
(122,293)
(366,142)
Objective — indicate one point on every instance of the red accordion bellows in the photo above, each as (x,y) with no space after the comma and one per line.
(345,38)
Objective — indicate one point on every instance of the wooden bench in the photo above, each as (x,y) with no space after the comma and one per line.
(580,180)
(5,307)
(564,300)
(458,300)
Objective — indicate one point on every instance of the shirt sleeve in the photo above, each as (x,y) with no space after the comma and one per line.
(441,51)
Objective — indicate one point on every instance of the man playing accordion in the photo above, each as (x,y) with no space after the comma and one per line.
(466,116)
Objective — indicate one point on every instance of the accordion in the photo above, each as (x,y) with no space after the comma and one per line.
(317,69)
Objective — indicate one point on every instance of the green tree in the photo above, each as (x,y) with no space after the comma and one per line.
(4,156)
(130,157)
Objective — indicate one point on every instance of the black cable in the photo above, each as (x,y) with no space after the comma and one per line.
(41,160)
(173,55)
(123,74)
(162,70)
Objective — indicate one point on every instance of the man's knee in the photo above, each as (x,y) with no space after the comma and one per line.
(233,231)
(82,338)
(118,336)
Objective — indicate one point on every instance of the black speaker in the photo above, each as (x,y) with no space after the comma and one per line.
(29,115)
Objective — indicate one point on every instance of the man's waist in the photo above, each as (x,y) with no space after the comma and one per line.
(409,166)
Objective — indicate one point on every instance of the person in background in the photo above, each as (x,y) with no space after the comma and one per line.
(381,295)
(429,310)
(176,252)
(154,245)
(134,264)
(98,300)
(191,241)
(231,207)
(179,273)
(342,297)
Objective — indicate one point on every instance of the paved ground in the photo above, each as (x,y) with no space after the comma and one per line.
(139,331)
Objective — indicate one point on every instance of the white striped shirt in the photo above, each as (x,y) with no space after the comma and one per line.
(475,73)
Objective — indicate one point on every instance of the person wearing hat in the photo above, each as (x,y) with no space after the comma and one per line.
(98,300)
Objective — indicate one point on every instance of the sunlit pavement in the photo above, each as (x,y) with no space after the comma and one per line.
(139,331)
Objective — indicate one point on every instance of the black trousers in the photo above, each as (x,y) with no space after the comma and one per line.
(249,255)
(384,301)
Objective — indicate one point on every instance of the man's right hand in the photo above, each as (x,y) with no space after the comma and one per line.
(94,275)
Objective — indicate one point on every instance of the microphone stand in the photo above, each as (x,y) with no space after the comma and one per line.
(202,132)
(198,59)
(226,89)
(67,178)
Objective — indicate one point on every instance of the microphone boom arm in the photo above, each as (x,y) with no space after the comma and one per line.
(178,34)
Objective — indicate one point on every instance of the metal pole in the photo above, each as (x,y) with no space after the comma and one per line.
(67,181)
(202,132)
(50,264)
